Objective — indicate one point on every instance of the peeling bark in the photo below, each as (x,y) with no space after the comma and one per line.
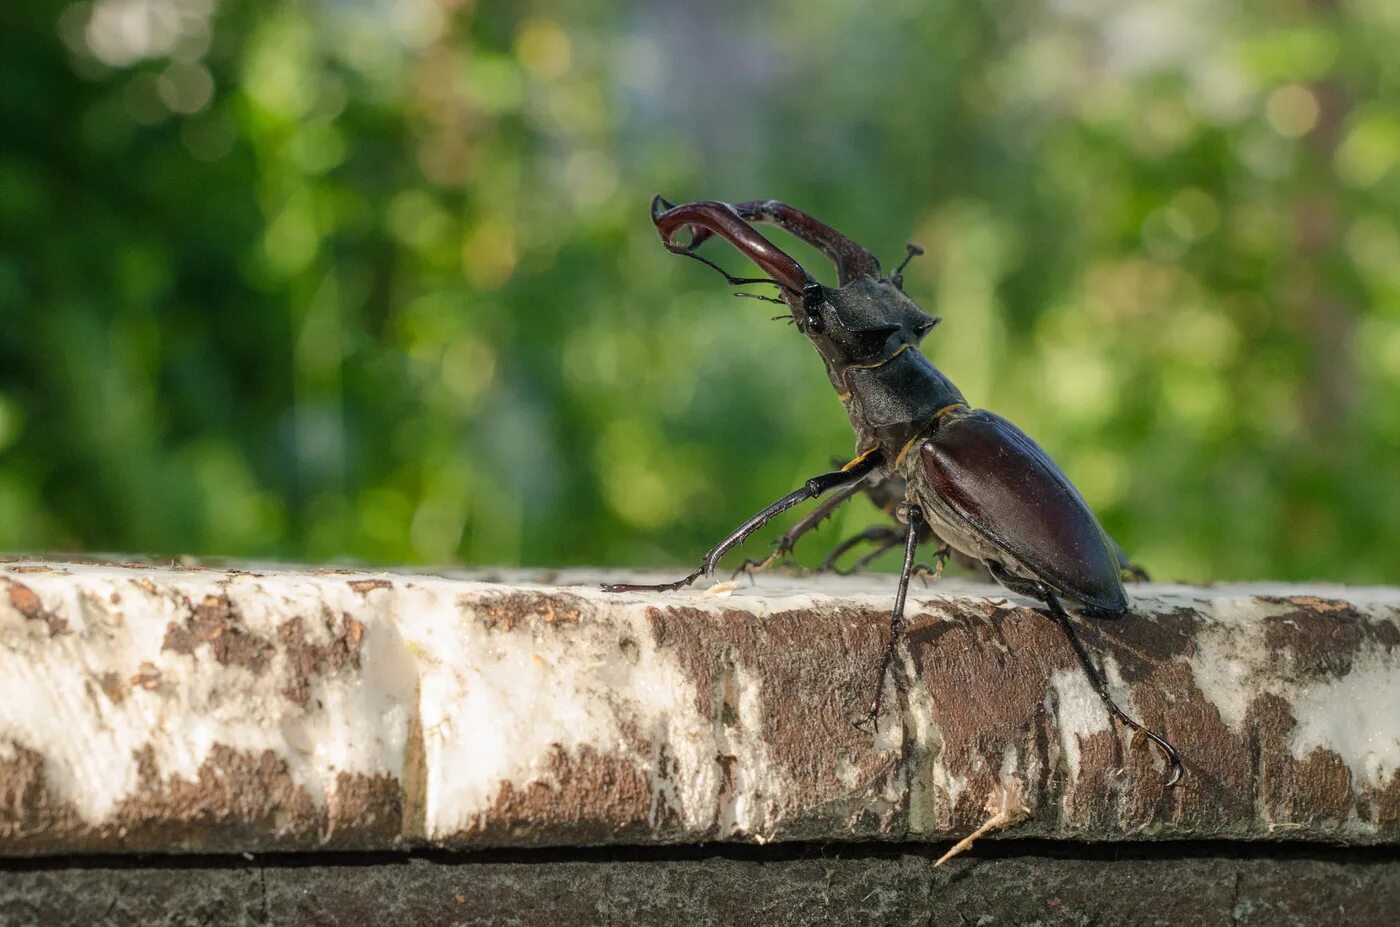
(206,710)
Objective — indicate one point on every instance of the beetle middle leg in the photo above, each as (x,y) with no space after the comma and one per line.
(883,537)
(897,618)
(817,486)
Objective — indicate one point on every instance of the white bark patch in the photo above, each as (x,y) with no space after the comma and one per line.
(90,701)
(497,706)
(1231,656)
(1353,716)
(749,802)
(1081,713)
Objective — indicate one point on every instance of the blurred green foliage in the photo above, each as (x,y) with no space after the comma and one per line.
(375,279)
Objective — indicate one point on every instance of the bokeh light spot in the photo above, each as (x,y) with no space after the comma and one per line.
(1292,110)
(544,49)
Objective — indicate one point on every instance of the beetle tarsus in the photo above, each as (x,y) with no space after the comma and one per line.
(932,574)
(1057,611)
(752,567)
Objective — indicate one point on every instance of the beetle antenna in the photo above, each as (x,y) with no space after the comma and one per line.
(897,278)
(730,278)
(1057,611)
(766,299)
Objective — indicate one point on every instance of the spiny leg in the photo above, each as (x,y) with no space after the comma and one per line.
(897,620)
(1126,565)
(1061,617)
(858,470)
(788,542)
(884,537)
(934,573)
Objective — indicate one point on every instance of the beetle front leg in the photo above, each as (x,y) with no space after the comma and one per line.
(788,542)
(897,619)
(817,486)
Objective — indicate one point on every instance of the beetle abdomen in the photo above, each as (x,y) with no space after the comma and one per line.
(1002,489)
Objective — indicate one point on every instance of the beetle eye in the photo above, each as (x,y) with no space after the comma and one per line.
(812,299)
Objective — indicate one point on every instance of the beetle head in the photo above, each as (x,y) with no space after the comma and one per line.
(864,319)
(869,318)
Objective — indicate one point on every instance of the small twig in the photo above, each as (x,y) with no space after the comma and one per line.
(1007,807)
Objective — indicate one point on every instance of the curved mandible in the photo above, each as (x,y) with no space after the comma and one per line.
(851,259)
(712,217)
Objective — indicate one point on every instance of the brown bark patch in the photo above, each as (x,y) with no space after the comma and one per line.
(215,622)
(986,674)
(307,660)
(113,687)
(26,601)
(366,586)
(1216,793)
(813,696)
(368,809)
(1308,793)
(1320,638)
(29,811)
(503,612)
(1382,807)
(583,797)
(237,800)
(1140,644)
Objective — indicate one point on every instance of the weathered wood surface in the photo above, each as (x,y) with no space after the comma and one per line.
(184,709)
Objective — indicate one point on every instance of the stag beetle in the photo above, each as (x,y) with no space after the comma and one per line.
(971,478)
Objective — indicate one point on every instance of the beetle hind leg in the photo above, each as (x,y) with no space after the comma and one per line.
(1057,611)
(932,574)
(1036,590)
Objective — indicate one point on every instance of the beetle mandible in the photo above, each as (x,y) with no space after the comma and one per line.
(972,479)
